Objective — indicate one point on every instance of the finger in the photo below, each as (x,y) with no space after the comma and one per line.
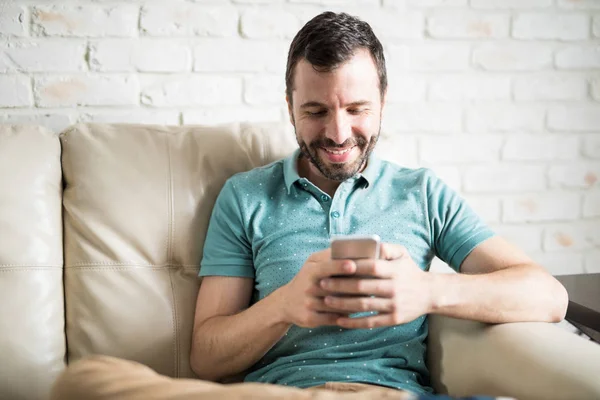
(322,255)
(320,319)
(359,304)
(375,268)
(333,267)
(318,305)
(390,251)
(377,287)
(375,321)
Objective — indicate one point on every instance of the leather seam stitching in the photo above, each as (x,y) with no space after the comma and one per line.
(170,255)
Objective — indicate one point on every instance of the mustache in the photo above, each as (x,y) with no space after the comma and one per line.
(326,142)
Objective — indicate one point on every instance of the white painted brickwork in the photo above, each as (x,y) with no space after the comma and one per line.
(500,97)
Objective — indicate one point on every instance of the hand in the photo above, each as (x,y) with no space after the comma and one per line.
(302,298)
(402,291)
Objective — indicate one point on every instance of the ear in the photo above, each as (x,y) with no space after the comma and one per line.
(290,110)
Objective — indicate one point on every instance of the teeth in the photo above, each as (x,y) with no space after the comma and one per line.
(338,152)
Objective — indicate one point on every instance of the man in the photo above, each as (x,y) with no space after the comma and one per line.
(270,308)
(271,227)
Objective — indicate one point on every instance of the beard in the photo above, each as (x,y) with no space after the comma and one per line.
(338,171)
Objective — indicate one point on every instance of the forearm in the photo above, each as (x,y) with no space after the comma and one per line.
(224,346)
(519,293)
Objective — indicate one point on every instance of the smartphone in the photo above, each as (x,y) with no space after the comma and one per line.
(355,247)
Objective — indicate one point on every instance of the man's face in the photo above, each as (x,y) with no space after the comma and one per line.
(337,115)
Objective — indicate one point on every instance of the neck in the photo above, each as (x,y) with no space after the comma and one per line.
(307,170)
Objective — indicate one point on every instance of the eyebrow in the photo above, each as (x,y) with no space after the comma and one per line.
(317,104)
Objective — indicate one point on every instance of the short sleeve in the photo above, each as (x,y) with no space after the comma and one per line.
(227,251)
(455,228)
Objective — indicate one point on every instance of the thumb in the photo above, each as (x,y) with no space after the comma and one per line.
(391,251)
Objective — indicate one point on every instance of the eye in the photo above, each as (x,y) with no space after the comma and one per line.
(316,113)
(356,111)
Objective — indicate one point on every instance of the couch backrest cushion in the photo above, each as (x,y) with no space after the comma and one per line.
(137,201)
(32,341)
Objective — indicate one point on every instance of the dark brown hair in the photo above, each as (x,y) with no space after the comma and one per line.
(328,40)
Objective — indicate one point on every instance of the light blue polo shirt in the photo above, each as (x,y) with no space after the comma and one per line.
(265,224)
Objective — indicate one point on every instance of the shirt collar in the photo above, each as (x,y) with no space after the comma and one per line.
(290,170)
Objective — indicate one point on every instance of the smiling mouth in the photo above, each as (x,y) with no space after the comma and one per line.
(338,152)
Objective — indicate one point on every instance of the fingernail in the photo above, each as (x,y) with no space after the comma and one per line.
(324,283)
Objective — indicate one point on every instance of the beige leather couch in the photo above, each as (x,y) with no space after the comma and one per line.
(101,233)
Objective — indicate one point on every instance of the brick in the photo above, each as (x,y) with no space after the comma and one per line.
(86,90)
(221,115)
(398,148)
(504,178)
(397,57)
(504,118)
(512,56)
(450,175)
(406,88)
(15,91)
(262,23)
(13,20)
(572,237)
(592,262)
(260,90)
(56,121)
(146,55)
(253,1)
(85,20)
(190,90)
(345,3)
(469,87)
(591,204)
(556,206)
(551,26)
(463,25)
(579,4)
(438,57)
(591,146)
(240,56)
(578,57)
(433,3)
(422,117)
(391,24)
(42,56)
(595,87)
(582,175)
(550,87)
(181,19)
(131,116)
(460,148)
(526,237)
(580,118)
(486,206)
(560,263)
(543,148)
(504,4)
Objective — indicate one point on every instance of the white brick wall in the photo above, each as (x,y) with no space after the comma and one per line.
(500,97)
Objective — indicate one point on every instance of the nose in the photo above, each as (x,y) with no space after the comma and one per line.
(339,128)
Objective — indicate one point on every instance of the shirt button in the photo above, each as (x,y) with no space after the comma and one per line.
(335,214)
(324,198)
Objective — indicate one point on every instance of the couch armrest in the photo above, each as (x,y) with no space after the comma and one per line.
(527,360)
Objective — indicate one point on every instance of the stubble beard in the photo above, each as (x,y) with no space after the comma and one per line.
(338,171)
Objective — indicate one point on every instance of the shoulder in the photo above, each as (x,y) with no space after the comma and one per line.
(407,176)
(258,176)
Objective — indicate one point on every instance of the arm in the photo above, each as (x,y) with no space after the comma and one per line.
(229,337)
(499,283)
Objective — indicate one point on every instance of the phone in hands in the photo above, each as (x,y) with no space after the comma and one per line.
(355,247)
